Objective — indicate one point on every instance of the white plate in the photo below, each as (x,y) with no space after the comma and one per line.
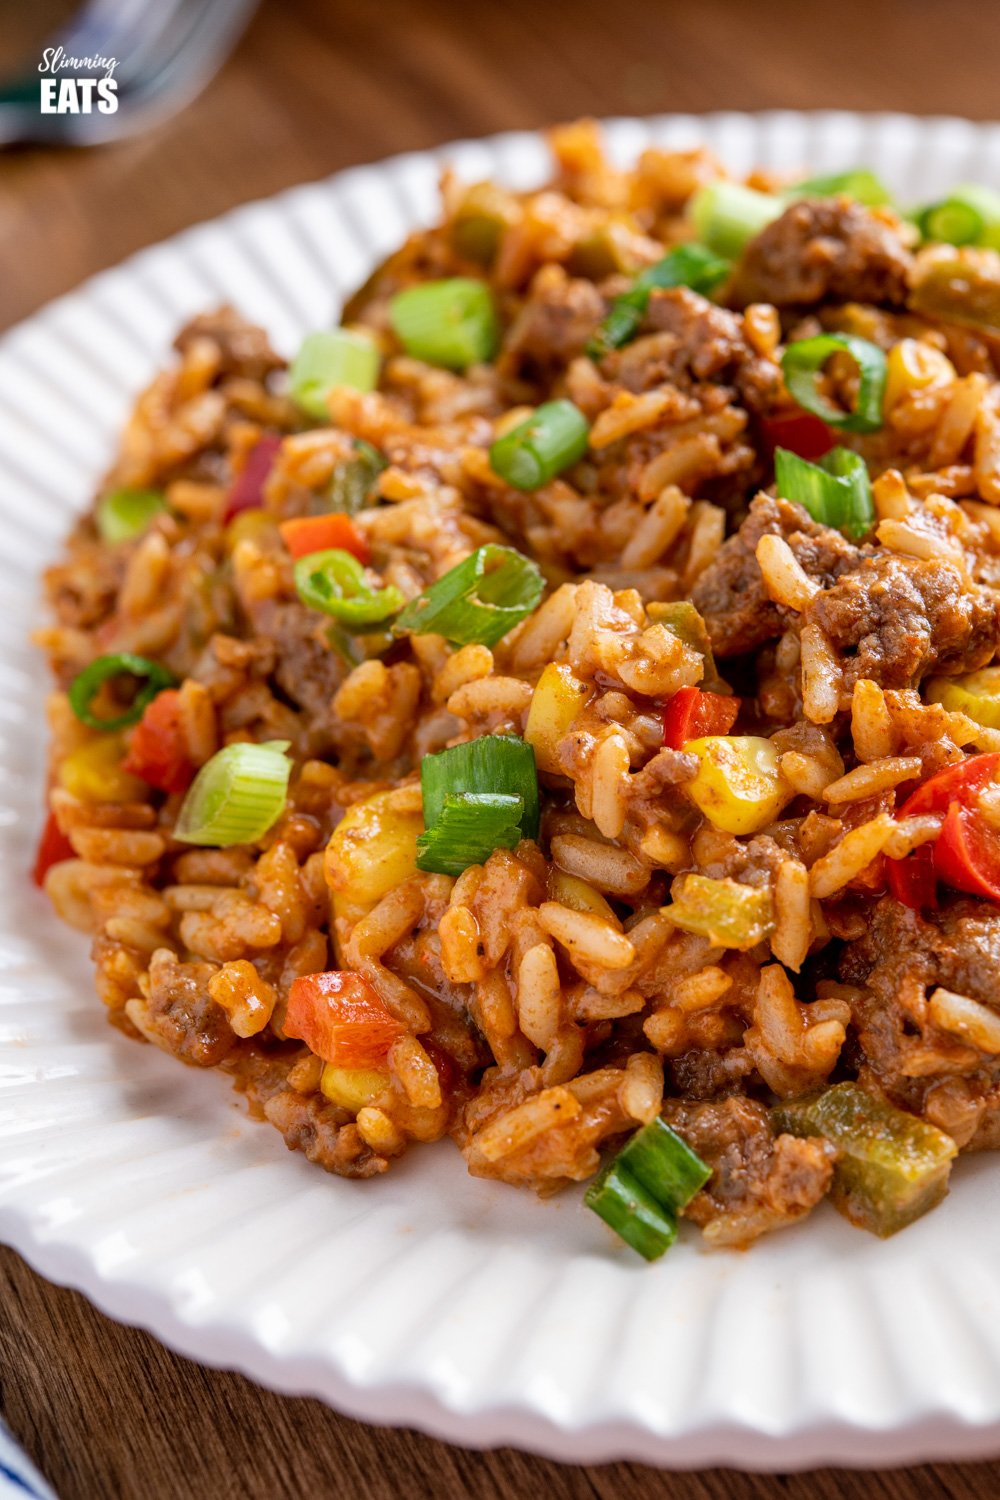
(426,1298)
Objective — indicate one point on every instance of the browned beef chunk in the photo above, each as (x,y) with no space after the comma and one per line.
(324,1133)
(901,958)
(957,947)
(730,592)
(183,1014)
(712,346)
(824,249)
(902,618)
(245,348)
(759,1181)
(304,667)
(552,328)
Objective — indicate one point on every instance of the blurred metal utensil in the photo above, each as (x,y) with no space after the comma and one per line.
(166,51)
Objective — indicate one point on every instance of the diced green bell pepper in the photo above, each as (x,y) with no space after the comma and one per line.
(892,1167)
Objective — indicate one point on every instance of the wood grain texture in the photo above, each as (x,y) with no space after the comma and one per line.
(104,1410)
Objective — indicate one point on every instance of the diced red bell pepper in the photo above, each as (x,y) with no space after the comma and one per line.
(318,533)
(961,783)
(799,432)
(967,853)
(340,1017)
(247,490)
(53,848)
(158,749)
(913,880)
(691,714)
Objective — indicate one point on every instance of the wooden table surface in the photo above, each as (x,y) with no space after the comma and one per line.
(105,1410)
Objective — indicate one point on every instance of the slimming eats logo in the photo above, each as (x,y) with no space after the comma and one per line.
(62,94)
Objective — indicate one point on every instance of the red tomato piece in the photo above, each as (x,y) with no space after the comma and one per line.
(340,1017)
(967,853)
(961,783)
(53,848)
(800,432)
(247,490)
(690,714)
(158,749)
(318,533)
(913,880)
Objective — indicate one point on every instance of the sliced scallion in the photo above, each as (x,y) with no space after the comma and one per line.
(334,582)
(552,439)
(451,323)
(468,828)
(632,1212)
(859,183)
(643,1189)
(89,682)
(727,215)
(124,514)
(836,491)
(803,362)
(327,359)
(479,600)
(236,796)
(691,265)
(970,215)
(494,765)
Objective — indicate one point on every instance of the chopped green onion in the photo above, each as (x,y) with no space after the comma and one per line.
(727,215)
(970,215)
(950,223)
(353,481)
(451,323)
(494,763)
(535,451)
(859,183)
(631,1211)
(803,361)
(686,265)
(236,796)
(122,515)
(334,582)
(664,1163)
(469,827)
(477,601)
(836,491)
(332,357)
(642,1190)
(88,684)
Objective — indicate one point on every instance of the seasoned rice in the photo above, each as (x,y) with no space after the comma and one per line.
(673,943)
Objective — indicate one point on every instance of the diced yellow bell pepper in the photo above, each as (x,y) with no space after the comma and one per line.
(93,773)
(558,698)
(352,1088)
(977,695)
(739,786)
(570,890)
(371,851)
(915,366)
(729,914)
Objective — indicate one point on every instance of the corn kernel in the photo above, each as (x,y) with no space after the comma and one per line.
(353,1088)
(739,786)
(94,773)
